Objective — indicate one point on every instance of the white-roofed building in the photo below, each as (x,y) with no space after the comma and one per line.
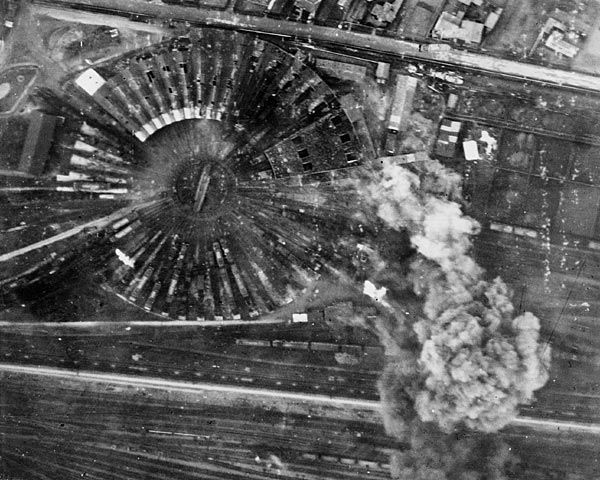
(299,317)
(471,150)
(450,27)
(556,42)
(447,140)
(466,21)
(90,81)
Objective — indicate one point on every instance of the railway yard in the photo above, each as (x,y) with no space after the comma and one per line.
(201,275)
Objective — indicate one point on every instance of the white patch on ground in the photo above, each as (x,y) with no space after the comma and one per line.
(4,89)
(125,258)
(491,142)
(377,294)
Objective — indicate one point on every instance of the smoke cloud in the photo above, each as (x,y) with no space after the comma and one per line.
(467,362)
(435,455)
(462,456)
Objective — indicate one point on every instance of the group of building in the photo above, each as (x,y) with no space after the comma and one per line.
(466,21)
(562,34)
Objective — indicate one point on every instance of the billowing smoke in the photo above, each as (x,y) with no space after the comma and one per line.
(433,454)
(472,362)
(478,366)
(462,455)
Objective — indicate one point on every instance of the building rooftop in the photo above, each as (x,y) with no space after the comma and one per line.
(40,134)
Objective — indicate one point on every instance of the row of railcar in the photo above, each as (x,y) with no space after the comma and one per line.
(312,346)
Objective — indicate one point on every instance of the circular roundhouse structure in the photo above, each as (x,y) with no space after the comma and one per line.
(198,179)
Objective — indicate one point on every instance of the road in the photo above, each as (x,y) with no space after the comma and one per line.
(141,323)
(555,425)
(64,428)
(93,224)
(315,33)
(232,392)
(192,353)
(290,401)
(203,358)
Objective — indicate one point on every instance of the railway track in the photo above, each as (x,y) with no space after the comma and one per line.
(492,122)
(360,43)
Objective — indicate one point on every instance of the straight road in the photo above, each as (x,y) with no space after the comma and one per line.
(188,387)
(555,425)
(64,428)
(362,42)
(137,323)
(210,358)
(260,395)
(340,408)
(93,224)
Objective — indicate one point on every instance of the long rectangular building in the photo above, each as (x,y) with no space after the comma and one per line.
(40,134)
(402,102)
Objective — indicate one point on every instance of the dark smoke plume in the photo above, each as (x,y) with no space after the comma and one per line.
(433,454)
(459,456)
(468,362)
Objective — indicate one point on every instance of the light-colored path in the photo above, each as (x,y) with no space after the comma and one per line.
(97,223)
(243,393)
(373,43)
(187,387)
(19,326)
